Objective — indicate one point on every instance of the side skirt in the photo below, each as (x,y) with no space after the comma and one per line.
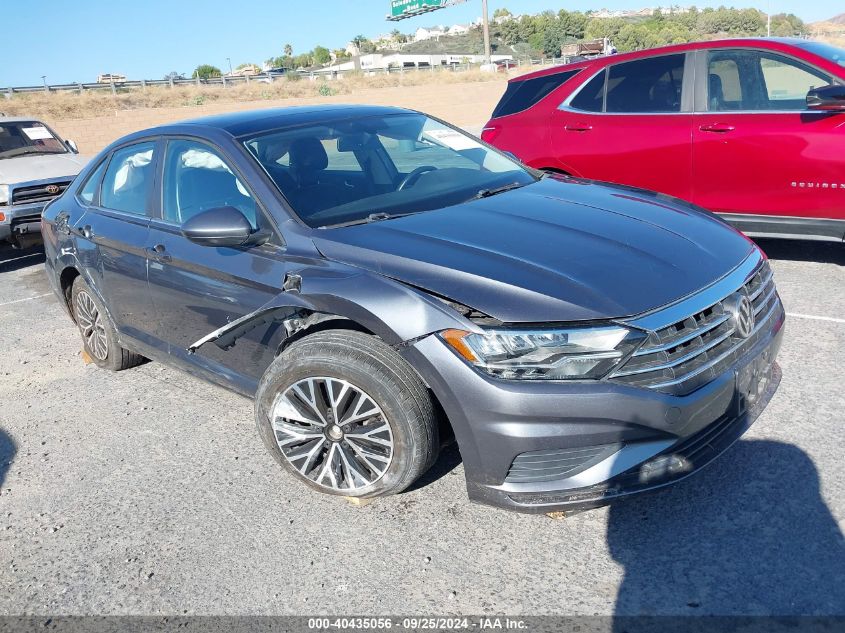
(789,227)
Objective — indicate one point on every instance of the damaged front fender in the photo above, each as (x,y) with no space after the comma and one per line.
(390,309)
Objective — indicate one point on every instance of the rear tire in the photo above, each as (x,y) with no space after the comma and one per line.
(345,414)
(99,337)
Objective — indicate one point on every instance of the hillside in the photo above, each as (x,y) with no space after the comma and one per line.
(831,31)
(471,43)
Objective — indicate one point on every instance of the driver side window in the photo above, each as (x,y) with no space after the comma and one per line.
(196,178)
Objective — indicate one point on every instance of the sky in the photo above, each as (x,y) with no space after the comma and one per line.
(74,41)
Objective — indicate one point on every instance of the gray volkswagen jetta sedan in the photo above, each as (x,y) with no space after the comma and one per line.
(378,280)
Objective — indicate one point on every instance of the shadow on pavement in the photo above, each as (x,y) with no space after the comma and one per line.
(749,535)
(804,251)
(7,455)
(15,259)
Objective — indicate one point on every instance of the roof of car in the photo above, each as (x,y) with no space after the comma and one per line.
(16,119)
(253,121)
(779,42)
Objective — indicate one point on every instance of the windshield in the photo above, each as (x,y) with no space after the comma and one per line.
(831,53)
(375,168)
(28,137)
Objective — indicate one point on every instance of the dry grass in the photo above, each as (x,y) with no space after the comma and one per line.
(61,106)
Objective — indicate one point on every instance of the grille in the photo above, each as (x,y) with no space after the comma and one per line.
(688,354)
(37,193)
(550,465)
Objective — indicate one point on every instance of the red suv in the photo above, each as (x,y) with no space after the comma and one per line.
(753,129)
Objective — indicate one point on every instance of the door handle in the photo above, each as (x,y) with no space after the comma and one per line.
(159,253)
(578,127)
(717,128)
(86,231)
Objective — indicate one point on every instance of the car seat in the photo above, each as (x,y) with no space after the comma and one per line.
(717,93)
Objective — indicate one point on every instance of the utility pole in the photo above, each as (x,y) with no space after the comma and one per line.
(229,59)
(485,22)
(44,79)
(769,19)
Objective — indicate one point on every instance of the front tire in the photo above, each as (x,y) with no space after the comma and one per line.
(99,337)
(345,414)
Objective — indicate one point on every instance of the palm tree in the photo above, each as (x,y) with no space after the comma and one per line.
(288,50)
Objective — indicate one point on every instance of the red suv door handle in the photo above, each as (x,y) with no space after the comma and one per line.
(717,128)
(578,127)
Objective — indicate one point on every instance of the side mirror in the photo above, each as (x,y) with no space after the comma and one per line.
(223,226)
(827,98)
(71,145)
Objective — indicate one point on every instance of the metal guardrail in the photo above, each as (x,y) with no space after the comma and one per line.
(225,82)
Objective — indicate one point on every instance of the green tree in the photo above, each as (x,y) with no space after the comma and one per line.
(321,55)
(598,28)
(501,13)
(788,25)
(288,50)
(206,71)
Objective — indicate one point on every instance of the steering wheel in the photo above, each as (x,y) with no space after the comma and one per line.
(411,179)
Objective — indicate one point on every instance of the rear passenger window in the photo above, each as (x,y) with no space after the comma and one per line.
(196,178)
(646,85)
(128,179)
(591,96)
(521,95)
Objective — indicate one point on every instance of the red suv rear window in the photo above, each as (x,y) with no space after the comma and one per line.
(521,95)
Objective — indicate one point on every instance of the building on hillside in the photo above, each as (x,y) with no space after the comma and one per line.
(605,14)
(108,78)
(378,62)
(434,33)
(458,29)
(247,70)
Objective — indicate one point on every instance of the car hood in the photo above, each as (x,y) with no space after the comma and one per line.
(556,250)
(40,167)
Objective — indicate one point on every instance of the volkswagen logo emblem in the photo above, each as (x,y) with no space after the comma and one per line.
(742,314)
(52,189)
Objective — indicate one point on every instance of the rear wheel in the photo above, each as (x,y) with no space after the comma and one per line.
(345,414)
(99,338)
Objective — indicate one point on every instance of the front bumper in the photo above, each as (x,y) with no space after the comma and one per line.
(22,223)
(544,447)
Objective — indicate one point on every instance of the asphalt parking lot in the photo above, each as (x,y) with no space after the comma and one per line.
(150,492)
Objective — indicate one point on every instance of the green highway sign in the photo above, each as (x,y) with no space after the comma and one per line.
(401,9)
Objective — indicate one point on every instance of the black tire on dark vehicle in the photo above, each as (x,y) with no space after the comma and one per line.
(99,337)
(329,382)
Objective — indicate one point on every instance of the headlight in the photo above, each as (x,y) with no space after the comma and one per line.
(545,354)
(4,194)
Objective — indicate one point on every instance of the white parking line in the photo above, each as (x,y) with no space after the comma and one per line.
(8,303)
(813,317)
(16,259)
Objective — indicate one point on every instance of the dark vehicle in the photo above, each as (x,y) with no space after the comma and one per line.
(751,129)
(376,279)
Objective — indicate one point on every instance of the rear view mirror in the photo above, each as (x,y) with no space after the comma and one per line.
(827,98)
(351,142)
(223,226)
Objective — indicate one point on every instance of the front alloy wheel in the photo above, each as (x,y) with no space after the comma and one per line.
(344,413)
(333,433)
